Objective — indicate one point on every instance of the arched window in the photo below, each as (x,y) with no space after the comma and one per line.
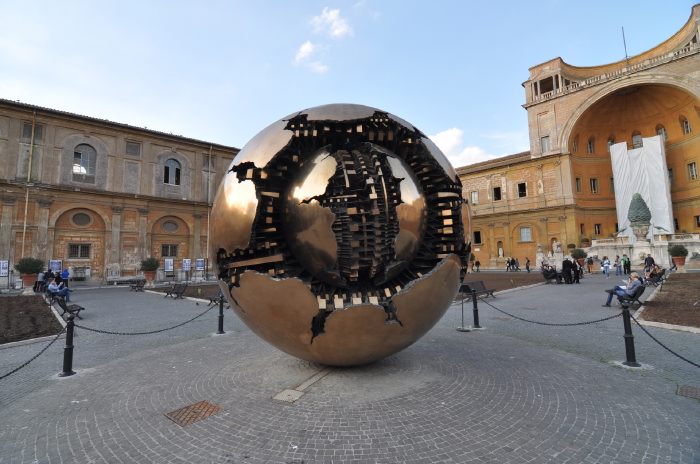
(685,125)
(171,172)
(661,131)
(636,139)
(611,142)
(574,145)
(84,161)
(590,148)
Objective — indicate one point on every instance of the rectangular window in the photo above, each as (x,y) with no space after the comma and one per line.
(578,185)
(522,190)
(670,176)
(617,228)
(697,221)
(686,127)
(168,251)
(594,185)
(612,184)
(590,147)
(581,229)
(692,171)
(84,161)
(525,234)
(597,229)
(675,224)
(78,250)
(496,193)
(27,133)
(475,198)
(637,141)
(133,148)
(544,143)
(477,236)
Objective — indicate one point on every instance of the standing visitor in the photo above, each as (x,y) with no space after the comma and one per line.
(606,267)
(626,268)
(527,264)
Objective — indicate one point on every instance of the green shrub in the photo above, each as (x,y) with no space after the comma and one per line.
(150,264)
(578,253)
(678,250)
(29,266)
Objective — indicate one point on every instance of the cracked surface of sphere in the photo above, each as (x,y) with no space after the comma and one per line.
(338,233)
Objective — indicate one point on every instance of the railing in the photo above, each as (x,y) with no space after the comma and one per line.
(690,49)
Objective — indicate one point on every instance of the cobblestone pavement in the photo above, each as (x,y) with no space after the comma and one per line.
(515,392)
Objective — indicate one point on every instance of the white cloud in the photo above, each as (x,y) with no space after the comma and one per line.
(451,143)
(318,67)
(306,56)
(331,23)
(305,51)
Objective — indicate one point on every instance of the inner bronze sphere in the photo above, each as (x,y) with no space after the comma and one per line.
(338,234)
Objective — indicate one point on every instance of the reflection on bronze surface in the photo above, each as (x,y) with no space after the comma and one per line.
(339,232)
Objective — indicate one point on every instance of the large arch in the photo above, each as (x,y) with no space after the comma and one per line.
(685,83)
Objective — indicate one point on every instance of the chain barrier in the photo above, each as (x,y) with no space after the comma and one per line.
(552,323)
(109,332)
(662,345)
(35,356)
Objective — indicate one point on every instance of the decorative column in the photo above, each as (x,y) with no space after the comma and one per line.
(507,248)
(493,251)
(144,245)
(197,237)
(563,237)
(116,246)
(41,243)
(6,223)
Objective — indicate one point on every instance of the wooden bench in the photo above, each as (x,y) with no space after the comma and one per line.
(656,280)
(70,309)
(176,291)
(551,276)
(478,286)
(628,301)
(137,285)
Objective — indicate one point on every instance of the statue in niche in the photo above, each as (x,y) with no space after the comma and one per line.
(556,247)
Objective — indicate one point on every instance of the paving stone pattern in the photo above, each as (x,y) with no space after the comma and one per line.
(512,393)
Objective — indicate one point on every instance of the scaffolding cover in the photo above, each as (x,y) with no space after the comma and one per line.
(642,170)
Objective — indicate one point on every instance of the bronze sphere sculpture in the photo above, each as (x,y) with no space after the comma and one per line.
(338,234)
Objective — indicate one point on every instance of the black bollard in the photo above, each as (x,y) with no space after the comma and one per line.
(629,340)
(476,310)
(68,350)
(221,315)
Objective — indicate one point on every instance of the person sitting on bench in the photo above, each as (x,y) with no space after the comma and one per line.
(59,290)
(632,284)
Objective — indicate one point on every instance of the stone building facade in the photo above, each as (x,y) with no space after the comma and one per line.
(100,196)
(562,190)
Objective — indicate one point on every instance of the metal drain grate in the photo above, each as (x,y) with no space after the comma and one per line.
(688,391)
(193,413)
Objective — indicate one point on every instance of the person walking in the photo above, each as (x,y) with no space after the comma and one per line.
(477,264)
(626,267)
(589,263)
(606,267)
(527,264)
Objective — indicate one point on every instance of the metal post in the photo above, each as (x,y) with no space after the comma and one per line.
(221,315)
(68,350)
(629,340)
(476,310)
(461,328)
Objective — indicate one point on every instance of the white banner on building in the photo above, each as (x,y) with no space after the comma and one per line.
(169,265)
(644,171)
(186,264)
(4,268)
(199,264)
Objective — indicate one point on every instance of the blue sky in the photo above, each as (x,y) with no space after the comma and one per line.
(222,71)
